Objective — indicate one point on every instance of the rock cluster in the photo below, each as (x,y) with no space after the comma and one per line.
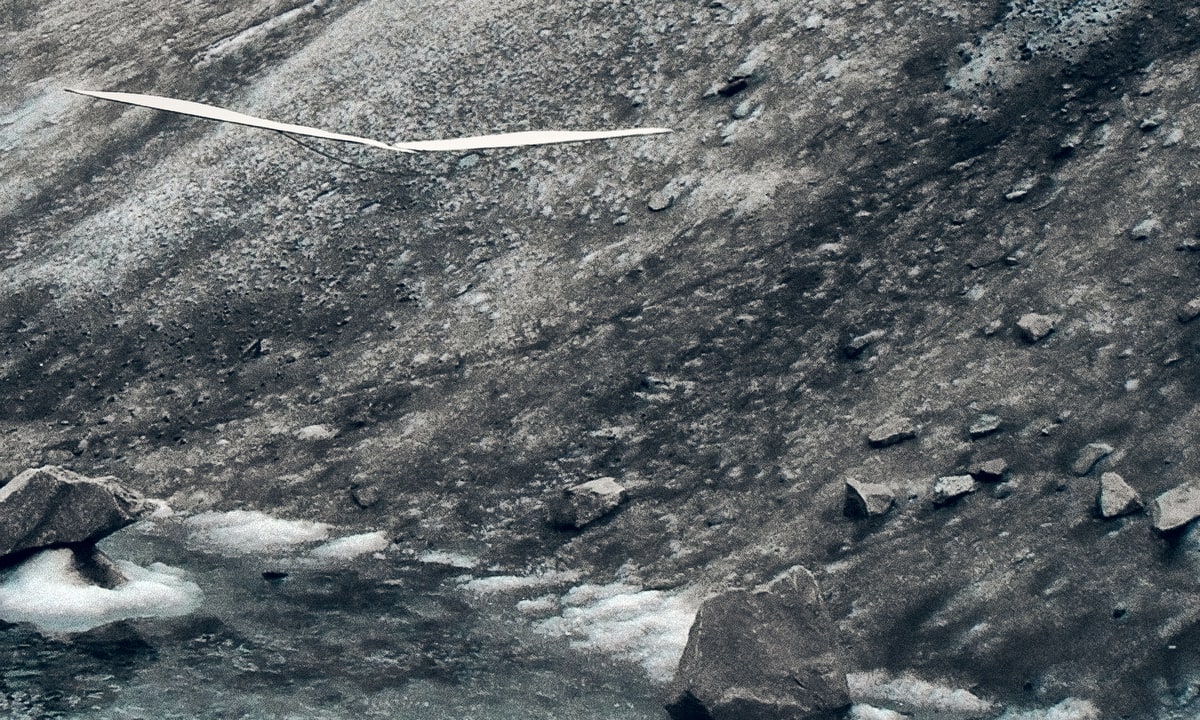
(767,653)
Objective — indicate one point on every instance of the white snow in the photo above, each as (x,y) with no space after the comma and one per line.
(1069,709)
(445,557)
(351,546)
(514,583)
(861,711)
(249,532)
(910,693)
(47,591)
(649,627)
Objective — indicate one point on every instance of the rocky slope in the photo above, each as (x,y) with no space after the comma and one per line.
(860,201)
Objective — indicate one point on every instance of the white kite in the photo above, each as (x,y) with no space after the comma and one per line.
(479,142)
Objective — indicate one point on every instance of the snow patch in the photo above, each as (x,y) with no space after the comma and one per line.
(351,546)
(649,627)
(908,693)
(49,592)
(445,557)
(248,532)
(513,583)
(861,711)
(1069,709)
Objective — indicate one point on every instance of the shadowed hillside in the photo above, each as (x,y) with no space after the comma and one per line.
(858,203)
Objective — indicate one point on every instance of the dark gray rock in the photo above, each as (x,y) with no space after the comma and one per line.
(96,567)
(1175,508)
(50,506)
(1035,327)
(1089,456)
(949,488)
(891,432)
(984,425)
(762,654)
(989,470)
(1189,311)
(1114,497)
(365,496)
(587,502)
(867,499)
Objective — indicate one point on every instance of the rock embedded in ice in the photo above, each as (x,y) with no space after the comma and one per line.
(587,502)
(768,652)
(1115,498)
(1175,508)
(867,499)
(50,505)
(1090,456)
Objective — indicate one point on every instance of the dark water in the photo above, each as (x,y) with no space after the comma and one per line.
(371,639)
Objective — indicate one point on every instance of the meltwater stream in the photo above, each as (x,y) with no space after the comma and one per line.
(376,638)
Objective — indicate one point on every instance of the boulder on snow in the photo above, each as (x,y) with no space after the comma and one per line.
(867,499)
(52,506)
(587,502)
(762,654)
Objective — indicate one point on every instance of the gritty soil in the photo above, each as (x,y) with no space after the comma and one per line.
(478,332)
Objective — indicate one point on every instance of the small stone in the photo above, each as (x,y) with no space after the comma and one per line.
(1189,312)
(1089,456)
(1149,124)
(1034,327)
(949,488)
(1189,245)
(256,348)
(891,432)
(660,201)
(1020,190)
(365,496)
(743,110)
(587,502)
(763,654)
(867,499)
(855,346)
(984,425)
(1176,508)
(1146,229)
(1115,498)
(989,470)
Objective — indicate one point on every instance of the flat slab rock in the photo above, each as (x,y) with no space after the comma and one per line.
(52,506)
(892,432)
(949,488)
(1176,508)
(767,653)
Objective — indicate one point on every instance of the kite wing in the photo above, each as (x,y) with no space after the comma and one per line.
(480,142)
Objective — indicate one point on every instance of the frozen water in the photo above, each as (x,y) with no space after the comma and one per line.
(252,532)
(351,546)
(649,627)
(46,590)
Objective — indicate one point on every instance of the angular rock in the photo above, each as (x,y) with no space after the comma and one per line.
(949,488)
(1189,312)
(1034,327)
(660,201)
(855,346)
(984,425)
(1146,229)
(1114,497)
(867,499)
(51,506)
(1176,508)
(762,654)
(989,470)
(1090,456)
(365,496)
(892,432)
(587,502)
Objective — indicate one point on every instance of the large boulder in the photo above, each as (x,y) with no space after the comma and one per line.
(762,654)
(51,506)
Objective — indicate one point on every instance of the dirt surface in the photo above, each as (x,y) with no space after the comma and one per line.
(475,333)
